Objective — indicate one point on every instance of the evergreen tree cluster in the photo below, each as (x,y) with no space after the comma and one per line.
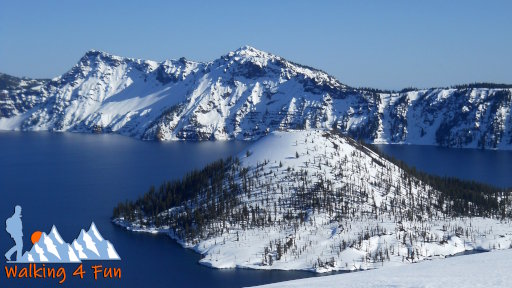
(487,85)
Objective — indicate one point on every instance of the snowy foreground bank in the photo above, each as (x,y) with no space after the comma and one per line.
(478,270)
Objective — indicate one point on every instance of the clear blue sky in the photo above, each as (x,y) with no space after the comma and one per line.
(381,44)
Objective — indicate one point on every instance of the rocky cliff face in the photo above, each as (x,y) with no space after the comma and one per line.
(244,95)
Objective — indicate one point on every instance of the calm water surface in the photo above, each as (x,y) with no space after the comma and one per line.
(71,180)
(487,166)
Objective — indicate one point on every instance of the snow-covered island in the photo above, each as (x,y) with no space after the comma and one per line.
(317,200)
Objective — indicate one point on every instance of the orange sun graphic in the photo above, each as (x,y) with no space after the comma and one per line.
(35,237)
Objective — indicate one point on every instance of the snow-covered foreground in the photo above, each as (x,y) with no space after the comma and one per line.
(312,200)
(478,270)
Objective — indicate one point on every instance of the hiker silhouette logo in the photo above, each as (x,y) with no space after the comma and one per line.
(51,248)
(14,227)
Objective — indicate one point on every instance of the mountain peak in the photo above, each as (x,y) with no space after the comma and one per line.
(248,48)
(94,55)
(247,51)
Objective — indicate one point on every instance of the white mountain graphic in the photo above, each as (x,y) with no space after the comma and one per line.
(51,249)
(89,245)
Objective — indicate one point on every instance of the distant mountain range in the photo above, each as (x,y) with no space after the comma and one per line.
(246,94)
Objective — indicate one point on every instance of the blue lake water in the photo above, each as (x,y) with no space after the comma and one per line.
(488,166)
(70,180)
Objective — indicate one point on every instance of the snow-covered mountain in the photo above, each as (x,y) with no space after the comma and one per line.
(90,245)
(52,249)
(317,200)
(244,95)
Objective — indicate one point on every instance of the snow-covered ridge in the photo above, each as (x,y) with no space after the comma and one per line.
(315,200)
(246,94)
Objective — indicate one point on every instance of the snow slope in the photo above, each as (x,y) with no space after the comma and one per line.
(314,200)
(477,270)
(246,94)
